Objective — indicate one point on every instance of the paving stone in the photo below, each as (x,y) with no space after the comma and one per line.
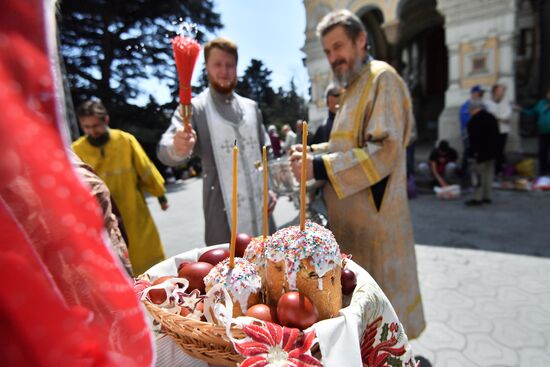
(490,308)
(465,322)
(443,281)
(515,296)
(453,358)
(515,334)
(534,284)
(475,289)
(465,274)
(497,278)
(428,294)
(484,351)
(544,301)
(547,339)
(453,300)
(534,357)
(439,336)
(434,312)
(534,317)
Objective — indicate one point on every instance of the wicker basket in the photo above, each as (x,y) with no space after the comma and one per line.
(202,340)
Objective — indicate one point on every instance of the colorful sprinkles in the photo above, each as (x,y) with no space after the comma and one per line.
(292,245)
(240,282)
(255,251)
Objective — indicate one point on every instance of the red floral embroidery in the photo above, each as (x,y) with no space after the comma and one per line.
(385,353)
(274,344)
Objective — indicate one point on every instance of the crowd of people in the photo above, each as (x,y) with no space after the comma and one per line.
(484,128)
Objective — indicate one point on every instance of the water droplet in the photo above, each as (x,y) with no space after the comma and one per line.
(188,29)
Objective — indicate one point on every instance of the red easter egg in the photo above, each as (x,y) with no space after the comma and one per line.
(263,312)
(183,263)
(348,280)
(241,243)
(158,296)
(186,311)
(296,310)
(195,273)
(214,256)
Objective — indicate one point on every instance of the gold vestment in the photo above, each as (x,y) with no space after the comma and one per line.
(368,144)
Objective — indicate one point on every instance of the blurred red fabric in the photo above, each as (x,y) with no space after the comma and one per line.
(64,299)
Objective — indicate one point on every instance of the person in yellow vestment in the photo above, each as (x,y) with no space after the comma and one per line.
(365,167)
(118,158)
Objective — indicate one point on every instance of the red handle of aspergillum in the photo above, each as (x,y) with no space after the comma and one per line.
(186,52)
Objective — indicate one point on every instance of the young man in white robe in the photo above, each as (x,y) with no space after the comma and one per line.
(219,118)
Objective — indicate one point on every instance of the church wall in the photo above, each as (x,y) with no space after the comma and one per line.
(480,37)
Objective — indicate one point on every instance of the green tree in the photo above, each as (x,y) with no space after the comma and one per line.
(111,46)
(278,108)
(255,84)
(295,106)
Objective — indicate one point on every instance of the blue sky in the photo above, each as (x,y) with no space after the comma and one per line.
(269,30)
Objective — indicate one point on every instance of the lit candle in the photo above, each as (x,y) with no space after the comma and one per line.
(234,211)
(264,156)
(303,179)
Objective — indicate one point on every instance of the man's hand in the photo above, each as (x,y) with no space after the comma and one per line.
(164,206)
(184,141)
(296,165)
(271,202)
(298,148)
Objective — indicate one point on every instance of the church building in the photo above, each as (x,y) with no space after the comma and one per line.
(442,48)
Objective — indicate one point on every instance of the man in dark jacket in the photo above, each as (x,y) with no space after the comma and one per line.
(483,135)
(323,132)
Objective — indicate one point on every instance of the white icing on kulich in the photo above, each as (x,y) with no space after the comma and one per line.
(292,245)
(241,281)
(255,251)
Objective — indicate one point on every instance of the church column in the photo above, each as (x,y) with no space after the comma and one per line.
(479,37)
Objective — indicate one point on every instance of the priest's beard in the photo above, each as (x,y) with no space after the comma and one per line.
(343,79)
(223,89)
(100,140)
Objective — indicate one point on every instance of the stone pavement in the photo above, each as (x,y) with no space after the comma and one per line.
(484,308)
(484,272)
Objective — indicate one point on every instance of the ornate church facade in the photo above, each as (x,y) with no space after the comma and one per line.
(442,48)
